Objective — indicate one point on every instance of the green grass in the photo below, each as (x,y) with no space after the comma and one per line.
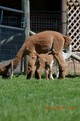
(40,100)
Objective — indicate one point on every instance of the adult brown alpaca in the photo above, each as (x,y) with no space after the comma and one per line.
(42,42)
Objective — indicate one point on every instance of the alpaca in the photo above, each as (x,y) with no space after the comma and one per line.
(42,42)
(45,61)
(39,63)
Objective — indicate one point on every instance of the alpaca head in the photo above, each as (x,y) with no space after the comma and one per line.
(2,69)
(68,52)
(5,71)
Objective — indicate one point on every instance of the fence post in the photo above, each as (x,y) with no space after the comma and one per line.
(26,9)
(64,16)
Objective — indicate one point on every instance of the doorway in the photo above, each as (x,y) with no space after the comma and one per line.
(45,15)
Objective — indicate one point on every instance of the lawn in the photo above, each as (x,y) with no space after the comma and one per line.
(40,100)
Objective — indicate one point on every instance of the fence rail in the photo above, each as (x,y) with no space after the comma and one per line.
(11,32)
(10,9)
(10,27)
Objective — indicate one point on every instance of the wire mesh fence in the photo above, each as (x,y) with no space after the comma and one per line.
(47,20)
(11,33)
(10,42)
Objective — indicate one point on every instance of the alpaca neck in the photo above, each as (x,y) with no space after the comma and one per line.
(19,56)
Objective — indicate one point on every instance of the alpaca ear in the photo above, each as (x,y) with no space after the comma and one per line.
(67,40)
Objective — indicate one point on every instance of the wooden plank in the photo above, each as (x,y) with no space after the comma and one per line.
(76,57)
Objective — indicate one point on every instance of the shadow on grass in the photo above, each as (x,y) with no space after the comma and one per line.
(18,74)
(72,75)
(54,76)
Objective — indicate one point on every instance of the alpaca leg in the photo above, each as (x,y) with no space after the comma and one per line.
(29,73)
(62,64)
(11,75)
(57,70)
(33,71)
(47,73)
(36,74)
(50,75)
(50,70)
(39,71)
